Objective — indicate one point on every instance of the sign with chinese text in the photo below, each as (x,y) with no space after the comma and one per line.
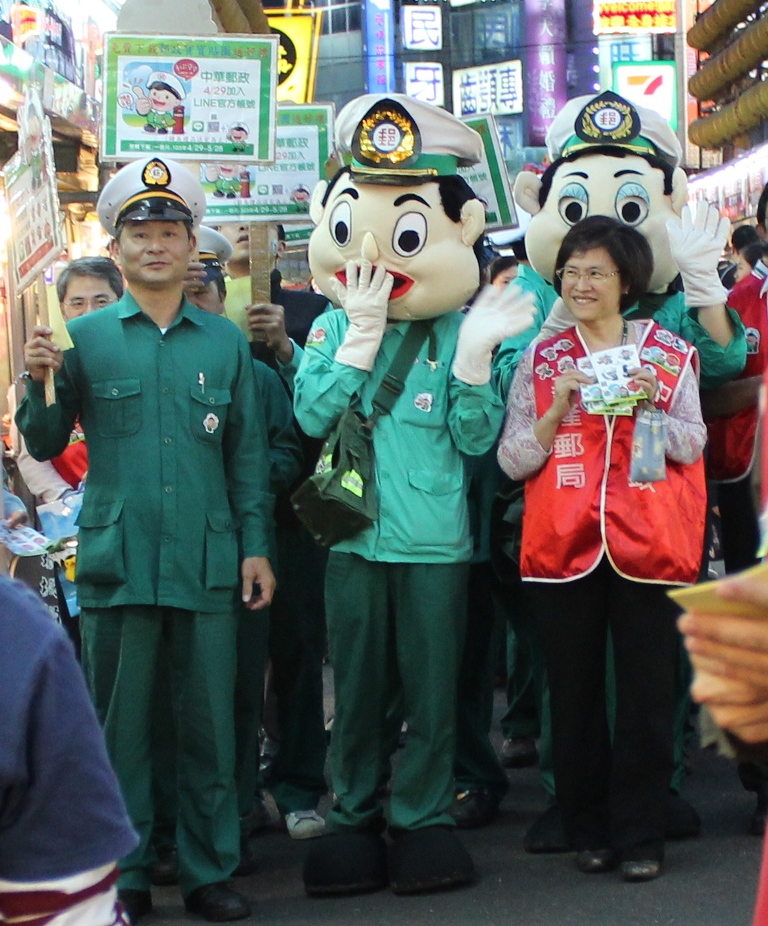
(652,84)
(424,81)
(634,16)
(189,97)
(33,199)
(546,65)
(281,191)
(299,34)
(379,45)
(422,27)
(496,89)
(489,179)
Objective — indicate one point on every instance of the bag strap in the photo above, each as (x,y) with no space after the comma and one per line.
(391,387)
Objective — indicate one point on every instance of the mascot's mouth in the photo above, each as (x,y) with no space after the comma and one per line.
(399,288)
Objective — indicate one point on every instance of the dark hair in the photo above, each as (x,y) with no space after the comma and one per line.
(762,205)
(627,247)
(161,85)
(499,266)
(518,249)
(100,267)
(608,151)
(742,236)
(754,252)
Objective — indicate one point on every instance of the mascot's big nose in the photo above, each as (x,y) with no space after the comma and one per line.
(369,250)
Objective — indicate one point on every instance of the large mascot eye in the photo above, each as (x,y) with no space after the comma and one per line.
(341,224)
(573,204)
(410,234)
(632,204)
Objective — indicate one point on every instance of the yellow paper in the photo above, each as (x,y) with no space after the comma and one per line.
(703,598)
(60,335)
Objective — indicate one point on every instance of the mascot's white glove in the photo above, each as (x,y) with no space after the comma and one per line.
(560,318)
(493,318)
(365,300)
(696,245)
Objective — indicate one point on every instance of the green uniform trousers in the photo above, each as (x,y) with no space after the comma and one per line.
(394,629)
(121,647)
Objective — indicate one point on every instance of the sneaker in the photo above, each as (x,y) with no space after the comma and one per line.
(304,824)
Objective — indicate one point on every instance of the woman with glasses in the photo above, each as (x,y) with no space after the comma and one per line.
(600,548)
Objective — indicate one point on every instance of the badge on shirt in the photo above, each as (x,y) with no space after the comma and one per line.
(423,401)
(316,337)
(211,422)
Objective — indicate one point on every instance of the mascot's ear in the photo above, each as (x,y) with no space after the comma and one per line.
(679,190)
(526,191)
(316,208)
(472,221)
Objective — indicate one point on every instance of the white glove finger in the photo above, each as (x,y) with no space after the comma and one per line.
(378,278)
(352,281)
(686,220)
(700,216)
(386,286)
(364,280)
(723,229)
(339,291)
(485,298)
(674,232)
(713,221)
(511,295)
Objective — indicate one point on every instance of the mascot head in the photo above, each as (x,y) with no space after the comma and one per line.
(400,202)
(611,158)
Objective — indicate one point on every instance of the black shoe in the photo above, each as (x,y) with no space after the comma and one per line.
(428,859)
(217,903)
(166,869)
(640,869)
(682,820)
(519,752)
(547,833)
(473,809)
(135,903)
(595,861)
(346,863)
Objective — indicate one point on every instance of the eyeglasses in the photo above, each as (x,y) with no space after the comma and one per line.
(97,302)
(571,275)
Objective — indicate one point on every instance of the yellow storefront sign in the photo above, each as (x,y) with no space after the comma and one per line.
(299,33)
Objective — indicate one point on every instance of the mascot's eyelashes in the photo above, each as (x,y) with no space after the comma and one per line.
(632,204)
(410,234)
(574,203)
(341,224)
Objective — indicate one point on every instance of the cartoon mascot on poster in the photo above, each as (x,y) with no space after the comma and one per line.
(610,157)
(397,241)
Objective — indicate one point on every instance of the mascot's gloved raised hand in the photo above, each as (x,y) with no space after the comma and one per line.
(493,318)
(364,299)
(696,244)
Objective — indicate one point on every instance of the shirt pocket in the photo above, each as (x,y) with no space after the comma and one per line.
(208,413)
(221,553)
(101,551)
(437,507)
(424,401)
(117,407)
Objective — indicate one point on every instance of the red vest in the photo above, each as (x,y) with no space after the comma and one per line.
(72,464)
(732,440)
(581,504)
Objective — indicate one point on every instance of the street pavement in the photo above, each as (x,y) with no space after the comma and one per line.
(708,881)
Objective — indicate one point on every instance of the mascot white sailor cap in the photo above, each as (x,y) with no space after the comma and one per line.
(608,119)
(392,138)
(151,189)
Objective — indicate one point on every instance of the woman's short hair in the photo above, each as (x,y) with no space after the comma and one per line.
(499,265)
(627,247)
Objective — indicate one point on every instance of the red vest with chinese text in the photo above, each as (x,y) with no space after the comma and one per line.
(732,440)
(581,504)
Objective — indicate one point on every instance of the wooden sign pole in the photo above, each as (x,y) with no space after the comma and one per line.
(41,296)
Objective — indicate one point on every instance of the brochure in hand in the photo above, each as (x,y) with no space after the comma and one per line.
(614,392)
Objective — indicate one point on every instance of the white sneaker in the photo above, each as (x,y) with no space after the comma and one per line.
(304,824)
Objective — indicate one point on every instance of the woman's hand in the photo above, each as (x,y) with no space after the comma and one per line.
(643,377)
(566,393)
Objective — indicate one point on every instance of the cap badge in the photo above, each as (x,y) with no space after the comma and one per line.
(156,174)
(609,119)
(386,135)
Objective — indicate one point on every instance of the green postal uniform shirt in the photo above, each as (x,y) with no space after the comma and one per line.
(420,466)
(178,456)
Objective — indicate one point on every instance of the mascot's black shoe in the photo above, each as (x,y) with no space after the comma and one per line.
(547,833)
(682,820)
(428,859)
(346,863)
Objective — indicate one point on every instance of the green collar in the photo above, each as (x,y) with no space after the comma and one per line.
(128,308)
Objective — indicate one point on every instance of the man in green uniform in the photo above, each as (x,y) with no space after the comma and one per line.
(178,465)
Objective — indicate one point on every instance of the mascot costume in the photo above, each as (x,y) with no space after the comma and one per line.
(396,244)
(610,157)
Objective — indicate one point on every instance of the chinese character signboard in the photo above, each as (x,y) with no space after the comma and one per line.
(496,89)
(189,97)
(424,81)
(379,44)
(33,199)
(279,192)
(422,28)
(652,84)
(546,65)
(635,16)
(489,178)
(299,34)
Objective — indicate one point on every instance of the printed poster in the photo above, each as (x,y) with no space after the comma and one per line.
(489,179)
